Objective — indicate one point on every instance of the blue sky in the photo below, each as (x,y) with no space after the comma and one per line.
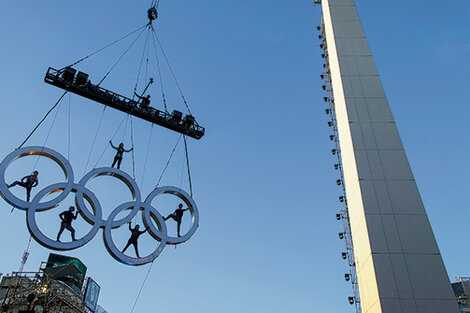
(263,175)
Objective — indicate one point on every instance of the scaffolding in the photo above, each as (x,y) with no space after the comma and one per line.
(40,292)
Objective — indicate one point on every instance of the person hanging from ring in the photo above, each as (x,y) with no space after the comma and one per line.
(119,152)
(27,182)
(177,216)
(66,222)
(135,234)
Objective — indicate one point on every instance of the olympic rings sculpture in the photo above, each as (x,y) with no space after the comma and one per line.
(151,218)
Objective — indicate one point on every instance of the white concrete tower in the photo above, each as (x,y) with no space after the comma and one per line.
(398,263)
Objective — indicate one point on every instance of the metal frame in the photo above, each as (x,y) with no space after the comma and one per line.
(124,104)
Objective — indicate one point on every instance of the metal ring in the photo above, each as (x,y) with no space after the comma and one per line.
(186,199)
(56,245)
(123,258)
(64,164)
(122,176)
(150,216)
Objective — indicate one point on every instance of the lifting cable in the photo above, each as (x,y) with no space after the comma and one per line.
(187,165)
(94,140)
(171,69)
(42,120)
(107,46)
(168,162)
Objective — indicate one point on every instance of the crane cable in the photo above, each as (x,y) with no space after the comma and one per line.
(107,46)
(120,58)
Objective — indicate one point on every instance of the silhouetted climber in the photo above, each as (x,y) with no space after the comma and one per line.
(145,104)
(27,182)
(135,234)
(67,217)
(177,216)
(119,152)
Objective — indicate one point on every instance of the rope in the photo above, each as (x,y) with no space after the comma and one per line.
(120,58)
(94,140)
(109,45)
(171,70)
(107,146)
(42,120)
(142,286)
(168,162)
(187,165)
(160,74)
(132,143)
